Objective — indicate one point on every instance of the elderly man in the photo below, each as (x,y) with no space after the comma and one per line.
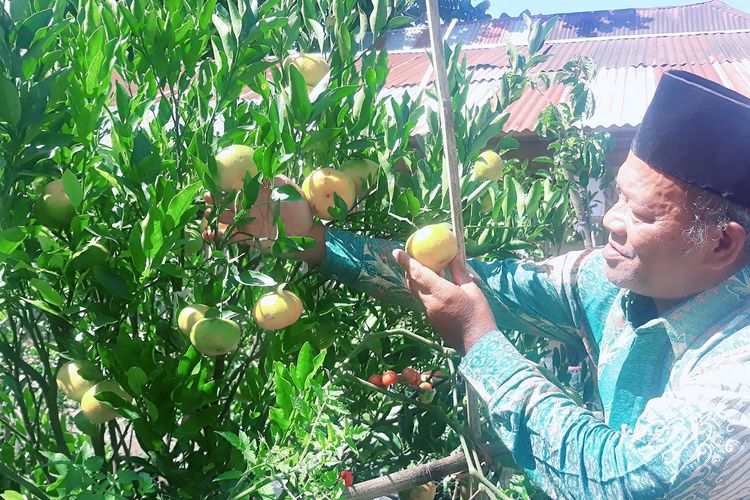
(663,311)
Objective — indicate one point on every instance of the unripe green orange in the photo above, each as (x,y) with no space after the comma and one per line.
(97,411)
(278,309)
(312,67)
(232,164)
(320,186)
(53,208)
(362,172)
(189,316)
(70,382)
(215,336)
(434,246)
(489,166)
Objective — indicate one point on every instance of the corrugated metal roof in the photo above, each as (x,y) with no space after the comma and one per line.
(652,51)
(622,94)
(704,17)
(700,17)
(409,68)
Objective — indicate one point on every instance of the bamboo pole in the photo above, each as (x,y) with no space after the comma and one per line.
(401,480)
(450,152)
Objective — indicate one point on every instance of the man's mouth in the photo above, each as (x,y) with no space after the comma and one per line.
(612,251)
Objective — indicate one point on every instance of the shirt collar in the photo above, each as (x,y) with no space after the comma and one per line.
(694,317)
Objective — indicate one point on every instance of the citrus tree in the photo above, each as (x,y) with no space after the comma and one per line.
(144,352)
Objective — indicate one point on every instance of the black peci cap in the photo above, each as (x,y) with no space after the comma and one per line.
(699,132)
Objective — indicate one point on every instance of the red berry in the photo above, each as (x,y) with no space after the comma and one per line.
(347,477)
(410,377)
(425,386)
(375,379)
(390,378)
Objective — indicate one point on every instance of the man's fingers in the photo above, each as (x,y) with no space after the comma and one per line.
(424,277)
(459,272)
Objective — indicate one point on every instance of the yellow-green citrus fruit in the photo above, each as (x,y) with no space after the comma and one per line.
(363,174)
(53,208)
(215,336)
(93,254)
(312,67)
(421,492)
(488,166)
(433,246)
(276,310)
(320,186)
(70,382)
(97,411)
(189,316)
(232,164)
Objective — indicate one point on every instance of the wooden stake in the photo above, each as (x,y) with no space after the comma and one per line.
(405,479)
(451,158)
(448,129)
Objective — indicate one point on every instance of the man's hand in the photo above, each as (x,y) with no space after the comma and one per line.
(295,215)
(458,311)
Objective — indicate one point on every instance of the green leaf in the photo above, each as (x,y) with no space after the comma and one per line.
(232,439)
(180,204)
(137,378)
(10,239)
(284,390)
(10,104)
(42,305)
(304,366)
(543,159)
(47,292)
(249,277)
(152,236)
(533,198)
(300,99)
(225,34)
(378,16)
(73,188)
(286,193)
(11,495)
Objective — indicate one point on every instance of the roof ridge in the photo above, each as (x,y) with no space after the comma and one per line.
(719,5)
(663,7)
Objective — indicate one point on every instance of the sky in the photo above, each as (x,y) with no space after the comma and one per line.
(515,7)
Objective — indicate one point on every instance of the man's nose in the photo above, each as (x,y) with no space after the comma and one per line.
(613,220)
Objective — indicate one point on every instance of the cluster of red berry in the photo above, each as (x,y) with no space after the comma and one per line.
(412,378)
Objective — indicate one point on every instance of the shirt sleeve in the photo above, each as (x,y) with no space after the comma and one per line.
(536,298)
(690,442)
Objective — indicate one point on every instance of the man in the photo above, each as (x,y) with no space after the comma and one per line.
(663,311)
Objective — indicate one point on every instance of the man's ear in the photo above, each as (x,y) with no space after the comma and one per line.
(726,247)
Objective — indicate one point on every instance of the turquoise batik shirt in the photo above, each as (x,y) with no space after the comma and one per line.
(674,389)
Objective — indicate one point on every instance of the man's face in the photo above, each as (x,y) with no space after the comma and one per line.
(647,252)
